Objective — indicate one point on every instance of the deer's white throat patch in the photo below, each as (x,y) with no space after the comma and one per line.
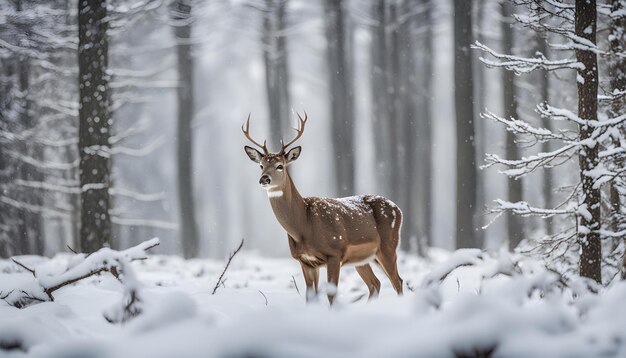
(274,193)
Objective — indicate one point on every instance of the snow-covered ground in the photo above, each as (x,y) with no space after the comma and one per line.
(260,311)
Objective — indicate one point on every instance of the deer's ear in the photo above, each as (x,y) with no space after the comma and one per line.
(254,154)
(293,154)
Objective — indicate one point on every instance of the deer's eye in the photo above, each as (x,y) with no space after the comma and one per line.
(279,167)
(261,166)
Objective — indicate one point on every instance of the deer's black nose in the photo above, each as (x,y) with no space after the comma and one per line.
(265,180)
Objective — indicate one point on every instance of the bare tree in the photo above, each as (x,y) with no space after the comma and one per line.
(480,88)
(425,123)
(466,208)
(585,25)
(380,96)
(401,89)
(94,125)
(515,229)
(578,245)
(182,22)
(33,43)
(544,97)
(341,94)
(274,41)
(616,215)
(617,75)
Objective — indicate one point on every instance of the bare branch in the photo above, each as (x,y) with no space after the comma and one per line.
(261,292)
(219,281)
(24,266)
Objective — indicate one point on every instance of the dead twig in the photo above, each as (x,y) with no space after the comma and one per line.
(219,281)
(72,250)
(293,279)
(261,292)
(50,290)
(3,296)
(358,298)
(130,309)
(452,269)
(24,267)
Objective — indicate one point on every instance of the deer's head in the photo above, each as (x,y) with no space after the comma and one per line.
(274,165)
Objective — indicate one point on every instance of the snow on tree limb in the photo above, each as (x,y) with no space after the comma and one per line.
(522,65)
(522,127)
(525,209)
(460,258)
(103,260)
(159,224)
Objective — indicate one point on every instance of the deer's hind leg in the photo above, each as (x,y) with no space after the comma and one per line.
(386,257)
(388,262)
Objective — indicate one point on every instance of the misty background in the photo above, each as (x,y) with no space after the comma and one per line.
(267,58)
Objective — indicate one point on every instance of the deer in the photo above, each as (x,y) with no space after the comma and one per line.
(331,232)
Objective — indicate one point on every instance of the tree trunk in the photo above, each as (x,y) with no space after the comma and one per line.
(393,101)
(585,28)
(382,169)
(30,224)
(544,97)
(408,99)
(10,243)
(480,86)
(276,69)
(341,95)
(94,125)
(415,119)
(31,232)
(181,14)
(515,229)
(617,72)
(425,145)
(465,136)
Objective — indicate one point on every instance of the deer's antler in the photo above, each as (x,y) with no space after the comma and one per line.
(246,131)
(300,130)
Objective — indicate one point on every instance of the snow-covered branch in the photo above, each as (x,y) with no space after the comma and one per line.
(158,224)
(522,65)
(522,127)
(525,209)
(44,211)
(136,195)
(104,260)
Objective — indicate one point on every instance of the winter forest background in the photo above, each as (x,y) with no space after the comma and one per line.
(400,104)
(498,127)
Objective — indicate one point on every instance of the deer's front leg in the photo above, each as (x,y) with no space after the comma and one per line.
(333,266)
(311,277)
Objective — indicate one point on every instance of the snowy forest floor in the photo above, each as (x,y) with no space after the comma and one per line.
(494,307)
